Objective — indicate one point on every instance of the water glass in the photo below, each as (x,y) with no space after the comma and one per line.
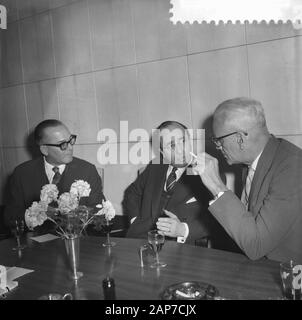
(156,241)
(292,290)
(17,229)
(107,227)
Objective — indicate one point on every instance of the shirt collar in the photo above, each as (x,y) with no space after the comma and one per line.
(178,172)
(49,166)
(255,162)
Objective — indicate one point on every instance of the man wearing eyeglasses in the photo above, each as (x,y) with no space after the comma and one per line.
(266,221)
(56,165)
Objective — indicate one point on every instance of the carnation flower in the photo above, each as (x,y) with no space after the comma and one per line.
(107,209)
(80,188)
(36,214)
(65,212)
(67,202)
(49,193)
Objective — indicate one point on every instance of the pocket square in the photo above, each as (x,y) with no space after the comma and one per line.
(191,200)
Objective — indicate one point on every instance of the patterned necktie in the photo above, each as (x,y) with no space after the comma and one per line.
(247,188)
(57,177)
(171,179)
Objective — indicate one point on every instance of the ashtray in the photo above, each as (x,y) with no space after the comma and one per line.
(192,290)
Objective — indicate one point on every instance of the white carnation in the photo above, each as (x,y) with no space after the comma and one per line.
(36,214)
(107,209)
(49,193)
(67,202)
(80,188)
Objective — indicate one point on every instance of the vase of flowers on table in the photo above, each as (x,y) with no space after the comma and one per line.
(69,217)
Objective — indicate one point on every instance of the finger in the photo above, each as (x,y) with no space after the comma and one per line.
(168,220)
(161,232)
(170,214)
(163,226)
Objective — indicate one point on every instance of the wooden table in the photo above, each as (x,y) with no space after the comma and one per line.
(234,275)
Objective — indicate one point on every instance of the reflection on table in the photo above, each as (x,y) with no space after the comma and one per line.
(234,275)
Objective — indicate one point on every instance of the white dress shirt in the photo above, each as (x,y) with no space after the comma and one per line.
(249,179)
(49,172)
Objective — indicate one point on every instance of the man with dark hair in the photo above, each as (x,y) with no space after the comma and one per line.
(267,220)
(56,165)
(164,196)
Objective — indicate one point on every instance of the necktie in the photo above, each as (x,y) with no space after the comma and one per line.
(247,188)
(171,179)
(57,177)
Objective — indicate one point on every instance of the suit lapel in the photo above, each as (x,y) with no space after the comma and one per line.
(263,166)
(65,183)
(158,181)
(182,190)
(41,173)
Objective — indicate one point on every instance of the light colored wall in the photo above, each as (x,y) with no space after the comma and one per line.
(93,63)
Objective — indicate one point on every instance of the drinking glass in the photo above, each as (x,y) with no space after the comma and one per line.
(156,240)
(290,286)
(17,228)
(107,227)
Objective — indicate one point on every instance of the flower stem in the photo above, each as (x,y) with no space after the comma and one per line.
(63,232)
(18,241)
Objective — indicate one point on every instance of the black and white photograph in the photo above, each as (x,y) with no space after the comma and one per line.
(150,150)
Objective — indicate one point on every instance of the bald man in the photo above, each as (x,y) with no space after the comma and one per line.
(55,165)
(267,220)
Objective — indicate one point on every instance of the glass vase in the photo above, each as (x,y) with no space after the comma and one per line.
(72,246)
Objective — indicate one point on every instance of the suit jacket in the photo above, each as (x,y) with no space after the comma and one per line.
(272,226)
(29,177)
(142,200)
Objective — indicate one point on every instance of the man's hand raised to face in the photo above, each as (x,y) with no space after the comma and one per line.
(207,168)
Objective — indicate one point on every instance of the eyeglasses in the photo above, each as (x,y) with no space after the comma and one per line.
(217,141)
(63,145)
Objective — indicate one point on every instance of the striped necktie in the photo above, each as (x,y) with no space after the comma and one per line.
(247,188)
(57,177)
(171,179)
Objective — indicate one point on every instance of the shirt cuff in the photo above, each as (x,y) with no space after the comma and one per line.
(132,220)
(184,238)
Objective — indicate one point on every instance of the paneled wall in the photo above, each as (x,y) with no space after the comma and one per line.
(94,63)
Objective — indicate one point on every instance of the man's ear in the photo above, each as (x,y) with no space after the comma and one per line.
(44,150)
(240,141)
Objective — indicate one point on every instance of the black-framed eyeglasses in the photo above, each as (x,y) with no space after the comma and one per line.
(63,145)
(217,140)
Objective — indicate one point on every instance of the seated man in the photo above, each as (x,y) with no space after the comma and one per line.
(56,165)
(267,220)
(164,196)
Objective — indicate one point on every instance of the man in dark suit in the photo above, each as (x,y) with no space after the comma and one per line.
(165,196)
(267,220)
(56,165)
